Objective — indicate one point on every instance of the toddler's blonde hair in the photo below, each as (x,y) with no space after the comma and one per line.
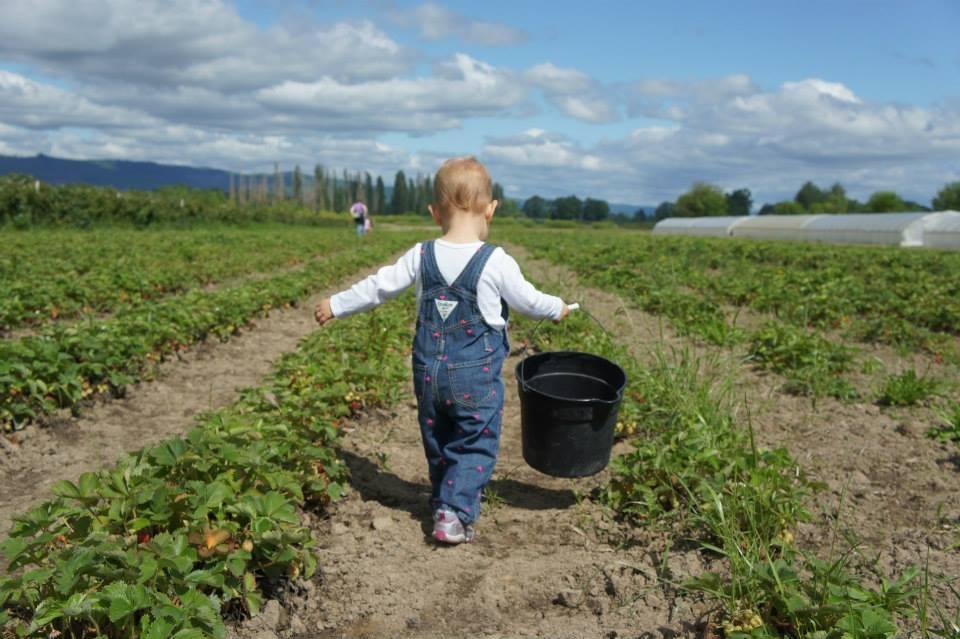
(462,183)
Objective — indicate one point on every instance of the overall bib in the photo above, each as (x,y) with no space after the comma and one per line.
(457,361)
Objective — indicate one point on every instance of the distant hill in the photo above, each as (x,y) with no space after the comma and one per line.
(120,174)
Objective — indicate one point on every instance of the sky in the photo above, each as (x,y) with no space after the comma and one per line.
(629,101)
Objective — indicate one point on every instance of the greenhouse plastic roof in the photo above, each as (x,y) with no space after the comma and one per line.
(938,229)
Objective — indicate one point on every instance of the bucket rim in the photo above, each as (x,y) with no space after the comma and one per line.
(619,391)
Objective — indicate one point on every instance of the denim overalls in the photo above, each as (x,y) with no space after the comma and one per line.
(457,361)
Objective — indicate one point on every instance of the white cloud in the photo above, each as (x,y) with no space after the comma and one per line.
(539,149)
(31,104)
(437,22)
(735,135)
(460,88)
(17,141)
(238,152)
(554,79)
(573,92)
(202,43)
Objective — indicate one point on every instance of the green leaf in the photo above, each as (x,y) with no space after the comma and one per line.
(46,612)
(138,524)
(876,624)
(335,490)
(796,602)
(204,577)
(237,563)
(156,628)
(88,484)
(254,601)
(148,568)
(78,605)
(125,600)
(66,489)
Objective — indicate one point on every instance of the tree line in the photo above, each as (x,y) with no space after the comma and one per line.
(704,200)
(330,191)
(566,208)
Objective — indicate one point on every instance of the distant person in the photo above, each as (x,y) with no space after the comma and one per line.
(359,213)
(463,286)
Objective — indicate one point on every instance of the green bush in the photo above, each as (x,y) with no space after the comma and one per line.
(23,205)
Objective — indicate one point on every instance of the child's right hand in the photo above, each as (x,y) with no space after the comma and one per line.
(323,313)
(563,314)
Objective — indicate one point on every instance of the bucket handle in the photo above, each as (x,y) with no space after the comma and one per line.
(573,307)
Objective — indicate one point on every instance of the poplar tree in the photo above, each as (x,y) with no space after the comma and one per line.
(368,190)
(380,200)
(297,184)
(320,189)
(278,185)
(411,195)
(498,192)
(398,201)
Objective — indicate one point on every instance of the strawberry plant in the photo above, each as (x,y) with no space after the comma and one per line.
(905,298)
(64,364)
(53,275)
(811,364)
(182,532)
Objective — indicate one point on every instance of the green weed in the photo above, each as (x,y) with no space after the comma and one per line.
(907,389)
(949,428)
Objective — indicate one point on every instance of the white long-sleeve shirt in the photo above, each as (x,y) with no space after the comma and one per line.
(500,278)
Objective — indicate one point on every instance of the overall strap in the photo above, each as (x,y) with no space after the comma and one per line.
(470,276)
(430,275)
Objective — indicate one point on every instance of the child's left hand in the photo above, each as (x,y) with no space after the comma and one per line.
(323,313)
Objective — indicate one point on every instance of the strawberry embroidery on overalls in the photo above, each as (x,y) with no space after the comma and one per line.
(457,360)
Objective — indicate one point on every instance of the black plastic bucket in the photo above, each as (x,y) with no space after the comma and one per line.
(568,411)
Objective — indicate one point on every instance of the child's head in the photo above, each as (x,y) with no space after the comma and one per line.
(462,186)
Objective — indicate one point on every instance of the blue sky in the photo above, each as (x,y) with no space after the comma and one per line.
(629,101)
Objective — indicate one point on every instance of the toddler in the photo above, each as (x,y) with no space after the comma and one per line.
(464,287)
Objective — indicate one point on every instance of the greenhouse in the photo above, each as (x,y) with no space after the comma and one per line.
(715,226)
(774,227)
(935,230)
(943,232)
(903,229)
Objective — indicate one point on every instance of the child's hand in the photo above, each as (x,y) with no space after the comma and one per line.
(563,314)
(323,313)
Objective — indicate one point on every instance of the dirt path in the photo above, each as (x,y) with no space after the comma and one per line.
(206,378)
(542,565)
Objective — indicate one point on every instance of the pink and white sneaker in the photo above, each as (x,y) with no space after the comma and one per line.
(448,529)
